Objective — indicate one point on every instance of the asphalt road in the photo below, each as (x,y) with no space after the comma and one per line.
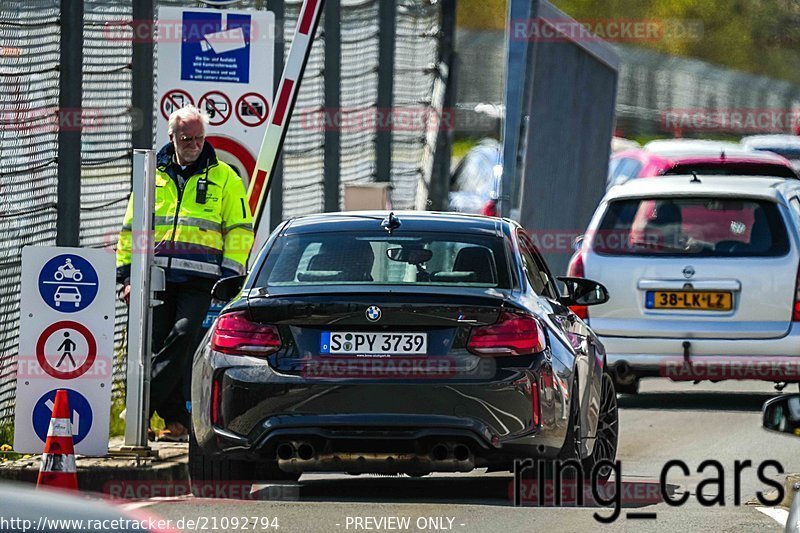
(666,421)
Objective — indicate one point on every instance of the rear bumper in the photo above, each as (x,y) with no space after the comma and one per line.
(706,359)
(369,443)
(352,425)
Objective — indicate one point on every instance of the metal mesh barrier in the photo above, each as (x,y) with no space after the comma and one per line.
(415,70)
(106,144)
(651,85)
(29,89)
(359,89)
(29,59)
(303,157)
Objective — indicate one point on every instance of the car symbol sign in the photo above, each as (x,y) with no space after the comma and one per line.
(688,272)
(373,313)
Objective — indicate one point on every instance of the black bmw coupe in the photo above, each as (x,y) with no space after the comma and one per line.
(411,342)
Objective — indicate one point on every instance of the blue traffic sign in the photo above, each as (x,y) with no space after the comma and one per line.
(79,407)
(68,283)
(210,52)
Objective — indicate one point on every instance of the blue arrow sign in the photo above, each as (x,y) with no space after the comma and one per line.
(68,283)
(79,407)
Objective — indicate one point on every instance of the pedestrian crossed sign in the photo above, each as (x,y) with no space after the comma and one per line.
(66,349)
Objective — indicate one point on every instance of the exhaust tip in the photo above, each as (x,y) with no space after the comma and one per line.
(623,373)
(439,452)
(285,451)
(305,451)
(461,452)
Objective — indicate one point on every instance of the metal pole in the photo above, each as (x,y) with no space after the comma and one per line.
(137,402)
(514,124)
(440,178)
(70,91)
(276,192)
(333,75)
(142,74)
(387,11)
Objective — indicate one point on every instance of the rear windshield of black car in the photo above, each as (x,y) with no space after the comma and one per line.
(697,227)
(337,258)
(733,169)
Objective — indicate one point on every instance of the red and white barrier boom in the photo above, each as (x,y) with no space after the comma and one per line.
(279,117)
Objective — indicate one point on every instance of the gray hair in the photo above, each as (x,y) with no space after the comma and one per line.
(187,112)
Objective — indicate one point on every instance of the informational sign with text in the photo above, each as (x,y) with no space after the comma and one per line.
(222,61)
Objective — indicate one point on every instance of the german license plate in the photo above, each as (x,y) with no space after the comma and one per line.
(695,300)
(366,343)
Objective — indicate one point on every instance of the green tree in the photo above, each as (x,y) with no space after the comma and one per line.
(758,36)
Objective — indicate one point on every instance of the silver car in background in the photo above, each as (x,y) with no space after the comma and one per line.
(702,273)
(787,146)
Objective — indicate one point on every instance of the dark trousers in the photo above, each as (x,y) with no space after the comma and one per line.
(176,327)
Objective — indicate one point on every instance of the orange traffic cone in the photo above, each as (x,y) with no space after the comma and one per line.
(58,460)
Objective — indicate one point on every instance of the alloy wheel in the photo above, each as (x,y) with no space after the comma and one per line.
(605,446)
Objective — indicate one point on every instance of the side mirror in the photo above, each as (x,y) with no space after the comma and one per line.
(782,414)
(227,288)
(582,291)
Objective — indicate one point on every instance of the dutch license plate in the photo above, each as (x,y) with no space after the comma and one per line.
(695,300)
(364,343)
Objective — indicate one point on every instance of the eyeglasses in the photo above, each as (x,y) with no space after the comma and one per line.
(186,139)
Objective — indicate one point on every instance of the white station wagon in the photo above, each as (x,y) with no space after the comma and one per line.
(702,273)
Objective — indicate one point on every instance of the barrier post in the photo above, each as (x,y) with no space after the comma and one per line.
(139,321)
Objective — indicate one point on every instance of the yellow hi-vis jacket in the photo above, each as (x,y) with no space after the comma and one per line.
(202,229)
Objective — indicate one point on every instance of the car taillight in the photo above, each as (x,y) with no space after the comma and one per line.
(512,334)
(575,270)
(796,307)
(235,335)
(489,208)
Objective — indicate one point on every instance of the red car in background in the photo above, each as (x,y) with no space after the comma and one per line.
(682,156)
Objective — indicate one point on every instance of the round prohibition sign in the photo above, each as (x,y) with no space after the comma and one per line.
(174,100)
(218,107)
(252,109)
(77,372)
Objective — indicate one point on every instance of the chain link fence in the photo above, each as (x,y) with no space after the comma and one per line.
(29,94)
(657,93)
(652,88)
(415,71)
(29,89)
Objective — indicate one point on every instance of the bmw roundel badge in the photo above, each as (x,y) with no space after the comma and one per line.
(373,313)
